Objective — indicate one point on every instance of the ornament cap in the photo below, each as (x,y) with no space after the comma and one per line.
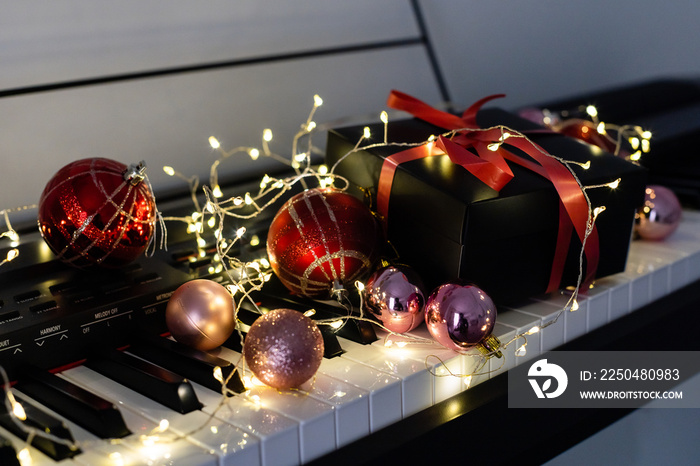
(338,291)
(135,173)
(490,346)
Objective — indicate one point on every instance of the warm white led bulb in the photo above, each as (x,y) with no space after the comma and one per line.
(267,135)
(170,171)
(318,101)
(214,143)
(12,254)
(336,324)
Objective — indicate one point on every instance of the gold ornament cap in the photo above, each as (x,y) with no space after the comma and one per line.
(489,346)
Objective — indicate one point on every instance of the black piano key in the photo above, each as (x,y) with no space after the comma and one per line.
(196,365)
(84,408)
(8,454)
(234,342)
(156,383)
(247,315)
(43,422)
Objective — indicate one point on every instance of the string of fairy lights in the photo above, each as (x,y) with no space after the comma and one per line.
(209,218)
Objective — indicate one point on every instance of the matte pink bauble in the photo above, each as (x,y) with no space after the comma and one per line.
(459,316)
(660,215)
(283,348)
(200,314)
(395,296)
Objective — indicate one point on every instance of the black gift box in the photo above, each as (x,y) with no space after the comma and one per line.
(447,224)
(670,109)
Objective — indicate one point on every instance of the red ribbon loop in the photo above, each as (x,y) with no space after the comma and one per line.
(490,167)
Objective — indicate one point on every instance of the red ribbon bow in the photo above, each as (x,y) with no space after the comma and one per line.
(491,168)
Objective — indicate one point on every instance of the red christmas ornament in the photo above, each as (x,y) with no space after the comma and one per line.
(322,240)
(97,211)
(586,131)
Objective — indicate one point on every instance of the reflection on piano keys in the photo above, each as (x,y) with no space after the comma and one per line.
(367,387)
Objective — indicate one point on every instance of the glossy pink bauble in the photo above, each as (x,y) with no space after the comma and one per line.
(459,316)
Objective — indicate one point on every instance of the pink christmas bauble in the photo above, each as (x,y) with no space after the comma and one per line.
(200,314)
(396,297)
(459,316)
(660,215)
(283,348)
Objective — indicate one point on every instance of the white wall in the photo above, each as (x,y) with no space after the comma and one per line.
(532,51)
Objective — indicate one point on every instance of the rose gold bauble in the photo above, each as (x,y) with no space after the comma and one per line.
(283,348)
(660,215)
(200,314)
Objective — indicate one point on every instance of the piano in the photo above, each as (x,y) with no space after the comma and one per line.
(91,363)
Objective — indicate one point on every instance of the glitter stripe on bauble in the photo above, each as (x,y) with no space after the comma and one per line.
(322,239)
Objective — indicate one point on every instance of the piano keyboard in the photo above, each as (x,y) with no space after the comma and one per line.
(367,387)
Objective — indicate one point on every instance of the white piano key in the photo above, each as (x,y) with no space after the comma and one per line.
(37,457)
(476,368)
(316,419)
(618,286)
(552,336)
(506,335)
(171,454)
(350,403)
(522,323)
(231,444)
(598,307)
(575,323)
(278,434)
(131,450)
(437,360)
(406,363)
(384,388)
(351,406)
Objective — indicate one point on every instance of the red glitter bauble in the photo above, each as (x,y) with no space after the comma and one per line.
(97,211)
(322,239)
